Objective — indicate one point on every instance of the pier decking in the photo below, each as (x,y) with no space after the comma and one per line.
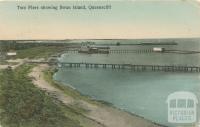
(125,51)
(113,51)
(164,68)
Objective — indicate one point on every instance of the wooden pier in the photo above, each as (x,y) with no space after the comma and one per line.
(134,67)
(115,51)
(131,51)
(139,51)
(164,68)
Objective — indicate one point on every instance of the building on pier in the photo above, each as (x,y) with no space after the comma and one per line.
(94,49)
(158,49)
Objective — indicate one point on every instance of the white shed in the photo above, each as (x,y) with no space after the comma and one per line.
(158,49)
(11,53)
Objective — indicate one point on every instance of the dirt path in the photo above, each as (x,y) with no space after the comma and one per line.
(17,61)
(37,74)
(107,116)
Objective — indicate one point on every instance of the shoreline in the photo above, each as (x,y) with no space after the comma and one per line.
(98,113)
(102,112)
(102,102)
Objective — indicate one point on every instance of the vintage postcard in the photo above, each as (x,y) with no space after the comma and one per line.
(100,63)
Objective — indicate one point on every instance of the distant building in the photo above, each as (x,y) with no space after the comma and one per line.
(158,49)
(94,49)
(11,53)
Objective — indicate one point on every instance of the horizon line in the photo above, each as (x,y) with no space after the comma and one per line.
(97,39)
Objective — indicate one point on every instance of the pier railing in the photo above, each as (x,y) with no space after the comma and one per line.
(139,51)
(166,68)
(117,51)
(134,67)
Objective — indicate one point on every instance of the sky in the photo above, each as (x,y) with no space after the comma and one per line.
(125,20)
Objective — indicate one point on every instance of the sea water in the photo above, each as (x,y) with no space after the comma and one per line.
(141,93)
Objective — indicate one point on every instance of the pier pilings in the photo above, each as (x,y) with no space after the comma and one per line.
(164,68)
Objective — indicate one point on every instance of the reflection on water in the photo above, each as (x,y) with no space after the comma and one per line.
(142,93)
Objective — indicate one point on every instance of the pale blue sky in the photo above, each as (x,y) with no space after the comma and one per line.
(126,19)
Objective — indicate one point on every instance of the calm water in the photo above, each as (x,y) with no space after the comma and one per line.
(142,93)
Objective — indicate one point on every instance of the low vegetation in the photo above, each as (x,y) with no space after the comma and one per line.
(39,52)
(24,105)
(7,45)
(34,49)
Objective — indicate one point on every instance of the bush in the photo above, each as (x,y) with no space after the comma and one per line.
(24,105)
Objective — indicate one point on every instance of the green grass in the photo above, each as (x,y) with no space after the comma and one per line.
(24,105)
(3,62)
(39,52)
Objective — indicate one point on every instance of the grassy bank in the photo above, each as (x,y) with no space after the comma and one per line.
(39,52)
(24,105)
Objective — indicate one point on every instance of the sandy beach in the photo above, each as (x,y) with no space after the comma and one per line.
(104,115)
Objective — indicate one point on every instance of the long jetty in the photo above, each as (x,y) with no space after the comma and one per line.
(125,51)
(117,51)
(164,68)
(130,51)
